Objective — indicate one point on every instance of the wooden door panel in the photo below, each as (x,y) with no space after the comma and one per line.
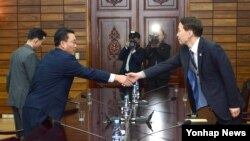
(113,35)
(112,20)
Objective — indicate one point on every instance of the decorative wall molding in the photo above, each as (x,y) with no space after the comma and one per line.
(160,1)
(113,2)
(161,4)
(114,47)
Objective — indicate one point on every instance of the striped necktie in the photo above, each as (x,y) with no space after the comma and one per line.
(192,58)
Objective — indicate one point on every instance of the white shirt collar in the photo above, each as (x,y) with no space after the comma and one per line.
(194,48)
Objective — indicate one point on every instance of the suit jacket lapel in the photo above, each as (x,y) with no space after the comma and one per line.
(186,58)
(200,53)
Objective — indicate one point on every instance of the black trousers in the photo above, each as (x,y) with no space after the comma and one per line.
(17,112)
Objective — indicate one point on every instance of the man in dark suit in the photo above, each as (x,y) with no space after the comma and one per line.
(23,63)
(53,78)
(132,56)
(207,71)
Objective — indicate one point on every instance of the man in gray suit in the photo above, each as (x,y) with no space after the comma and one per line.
(23,63)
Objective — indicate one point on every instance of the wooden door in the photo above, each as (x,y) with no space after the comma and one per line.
(112,20)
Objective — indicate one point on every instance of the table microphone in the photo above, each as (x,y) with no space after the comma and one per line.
(145,120)
(78,129)
(187,122)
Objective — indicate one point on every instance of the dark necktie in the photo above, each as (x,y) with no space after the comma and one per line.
(192,59)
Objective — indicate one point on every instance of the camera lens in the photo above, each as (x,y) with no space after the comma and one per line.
(132,43)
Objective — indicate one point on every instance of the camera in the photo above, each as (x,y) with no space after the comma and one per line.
(132,43)
(154,39)
(132,36)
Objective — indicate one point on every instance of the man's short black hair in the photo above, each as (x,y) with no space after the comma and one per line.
(192,23)
(36,33)
(62,35)
(134,34)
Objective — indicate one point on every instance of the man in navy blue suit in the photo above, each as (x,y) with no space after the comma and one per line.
(207,70)
(53,78)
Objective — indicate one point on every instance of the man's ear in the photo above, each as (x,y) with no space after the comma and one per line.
(62,45)
(190,33)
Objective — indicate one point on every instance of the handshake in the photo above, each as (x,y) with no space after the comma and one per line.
(128,79)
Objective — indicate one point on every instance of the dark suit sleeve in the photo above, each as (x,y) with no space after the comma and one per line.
(227,75)
(71,67)
(168,65)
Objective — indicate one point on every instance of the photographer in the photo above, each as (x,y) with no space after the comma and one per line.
(132,56)
(157,51)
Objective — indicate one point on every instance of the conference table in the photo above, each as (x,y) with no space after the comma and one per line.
(90,119)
